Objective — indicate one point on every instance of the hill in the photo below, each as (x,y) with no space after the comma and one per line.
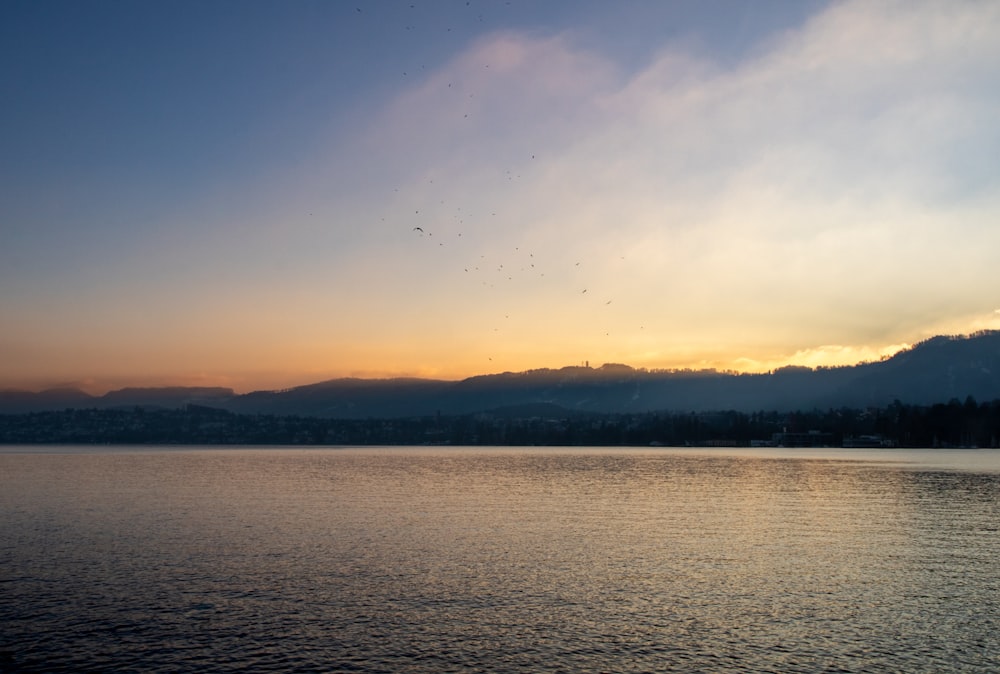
(936,370)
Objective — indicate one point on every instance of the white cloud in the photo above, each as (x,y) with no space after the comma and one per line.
(840,185)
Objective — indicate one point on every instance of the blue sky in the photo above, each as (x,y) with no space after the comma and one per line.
(259,194)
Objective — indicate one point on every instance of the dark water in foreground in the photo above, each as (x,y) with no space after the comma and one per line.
(417,560)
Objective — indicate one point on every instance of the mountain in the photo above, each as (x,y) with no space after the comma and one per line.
(933,371)
(346,399)
(20,402)
(936,370)
(174,396)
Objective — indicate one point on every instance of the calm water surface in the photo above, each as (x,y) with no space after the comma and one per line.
(494,560)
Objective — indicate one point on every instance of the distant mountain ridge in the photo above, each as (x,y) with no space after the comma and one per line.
(18,402)
(933,371)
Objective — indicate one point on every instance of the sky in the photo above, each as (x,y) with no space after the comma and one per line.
(266,194)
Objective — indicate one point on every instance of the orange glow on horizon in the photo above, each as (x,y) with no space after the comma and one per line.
(302,374)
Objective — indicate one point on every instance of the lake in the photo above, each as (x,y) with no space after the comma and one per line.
(498,560)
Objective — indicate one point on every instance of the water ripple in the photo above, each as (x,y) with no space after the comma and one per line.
(494,561)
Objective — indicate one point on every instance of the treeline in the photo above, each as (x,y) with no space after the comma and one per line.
(953,424)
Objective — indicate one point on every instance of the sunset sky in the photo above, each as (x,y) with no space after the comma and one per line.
(265,194)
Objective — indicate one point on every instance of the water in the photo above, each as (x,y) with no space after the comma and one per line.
(498,560)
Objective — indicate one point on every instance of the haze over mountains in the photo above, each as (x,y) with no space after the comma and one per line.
(933,371)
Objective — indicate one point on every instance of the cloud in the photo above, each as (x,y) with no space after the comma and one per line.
(827,355)
(837,184)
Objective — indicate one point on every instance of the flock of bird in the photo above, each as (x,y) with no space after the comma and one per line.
(507,266)
(502,267)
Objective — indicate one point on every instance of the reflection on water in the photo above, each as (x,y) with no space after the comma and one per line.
(499,560)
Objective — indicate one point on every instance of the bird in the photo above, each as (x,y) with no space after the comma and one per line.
(418,229)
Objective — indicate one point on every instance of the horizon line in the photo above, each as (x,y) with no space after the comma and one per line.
(95,388)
